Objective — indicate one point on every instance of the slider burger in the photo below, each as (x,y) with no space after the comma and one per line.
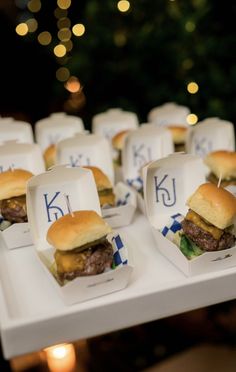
(222,164)
(209,221)
(118,142)
(104,187)
(81,245)
(178,136)
(50,156)
(13,195)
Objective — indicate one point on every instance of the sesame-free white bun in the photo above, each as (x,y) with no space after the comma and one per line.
(50,156)
(13,183)
(119,139)
(178,134)
(101,179)
(222,163)
(73,231)
(215,204)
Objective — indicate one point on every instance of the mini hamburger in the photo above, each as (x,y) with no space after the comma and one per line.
(81,245)
(50,156)
(222,164)
(178,136)
(104,187)
(209,222)
(118,142)
(13,195)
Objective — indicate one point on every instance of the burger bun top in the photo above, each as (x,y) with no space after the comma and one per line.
(13,183)
(222,163)
(215,204)
(75,230)
(101,179)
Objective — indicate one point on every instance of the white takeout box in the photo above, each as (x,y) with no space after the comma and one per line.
(113,121)
(126,203)
(46,202)
(26,156)
(57,127)
(142,146)
(170,114)
(169,182)
(82,150)
(210,135)
(11,129)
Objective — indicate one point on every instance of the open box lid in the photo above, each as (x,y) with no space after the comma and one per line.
(112,121)
(48,194)
(56,127)
(82,150)
(143,145)
(26,156)
(168,183)
(210,135)
(20,131)
(169,113)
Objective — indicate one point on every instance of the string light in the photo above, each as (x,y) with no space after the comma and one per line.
(192,119)
(68,45)
(44,38)
(64,34)
(34,6)
(61,357)
(59,50)
(64,4)
(78,29)
(32,24)
(190,26)
(123,5)
(73,84)
(192,87)
(62,74)
(22,29)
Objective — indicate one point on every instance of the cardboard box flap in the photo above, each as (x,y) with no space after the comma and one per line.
(16,130)
(26,156)
(47,196)
(168,184)
(169,113)
(210,135)
(82,150)
(143,145)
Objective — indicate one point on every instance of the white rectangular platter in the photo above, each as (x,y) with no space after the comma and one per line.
(33,316)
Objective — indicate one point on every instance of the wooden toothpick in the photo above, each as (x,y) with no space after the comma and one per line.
(68,205)
(219,182)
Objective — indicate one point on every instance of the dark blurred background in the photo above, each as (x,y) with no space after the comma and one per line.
(134,58)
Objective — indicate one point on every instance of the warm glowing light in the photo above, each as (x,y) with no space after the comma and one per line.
(123,5)
(73,84)
(78,29)
(60,13)
(68,45)
(64,34)
(62,74)
(61,358)
(59,50)
(192,87)
(32,24)
(187,63)
(190,26)
(22,29)
(63,23)
(34,6)
(44,38)
(192,119)
(64,4)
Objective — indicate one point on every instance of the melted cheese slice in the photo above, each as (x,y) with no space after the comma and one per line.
(198,221)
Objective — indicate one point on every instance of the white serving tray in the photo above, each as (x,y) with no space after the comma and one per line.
(33,316)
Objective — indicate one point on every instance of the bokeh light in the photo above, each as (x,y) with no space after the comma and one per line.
(192,119)
(123,5)
(22,29)
(63,22)
(73,84)
(192,87)
(78,29)
(64,34)
(64,4)
(60,13)
(59,50)
(44,38)
(190,26)
(34,6)
(62,74)
(32,24)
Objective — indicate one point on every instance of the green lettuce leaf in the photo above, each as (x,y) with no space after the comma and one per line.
(189,248)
